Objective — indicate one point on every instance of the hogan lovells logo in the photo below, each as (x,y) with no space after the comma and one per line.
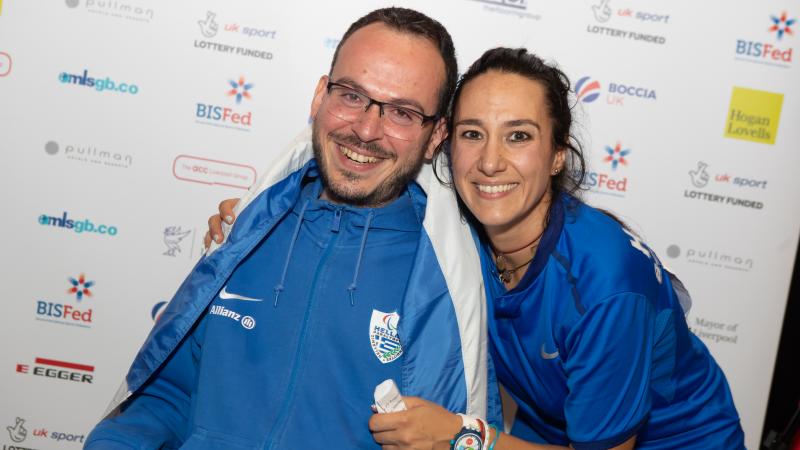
(771,47)
(603,12)
(587,90)
(753,115)
(209,28)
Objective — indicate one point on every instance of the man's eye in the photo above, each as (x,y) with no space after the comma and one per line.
(401,113)
(519,136)
(350,97)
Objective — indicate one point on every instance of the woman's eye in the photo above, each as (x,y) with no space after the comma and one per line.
(471,134)
(518,136)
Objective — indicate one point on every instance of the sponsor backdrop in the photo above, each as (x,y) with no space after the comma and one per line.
(124,122)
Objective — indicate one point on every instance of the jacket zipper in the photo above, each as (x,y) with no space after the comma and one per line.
(278,430)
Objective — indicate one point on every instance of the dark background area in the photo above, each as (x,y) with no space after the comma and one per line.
(784,395)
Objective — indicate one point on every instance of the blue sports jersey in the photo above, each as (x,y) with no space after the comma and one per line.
(593,344)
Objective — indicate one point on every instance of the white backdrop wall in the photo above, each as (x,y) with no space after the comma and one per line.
(114,158)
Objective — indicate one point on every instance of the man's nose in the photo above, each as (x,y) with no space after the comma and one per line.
(369,126)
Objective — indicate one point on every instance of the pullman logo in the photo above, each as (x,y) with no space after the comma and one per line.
(114,9)
(90,154)
(712,257)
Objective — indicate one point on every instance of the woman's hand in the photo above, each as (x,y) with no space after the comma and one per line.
(424,426)
(215,222)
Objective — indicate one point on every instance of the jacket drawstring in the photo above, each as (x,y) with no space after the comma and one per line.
(280,286)
(353,285)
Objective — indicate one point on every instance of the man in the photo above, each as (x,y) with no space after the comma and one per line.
(342,271)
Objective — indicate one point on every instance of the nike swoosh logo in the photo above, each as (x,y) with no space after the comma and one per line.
(225,295)
(546,355)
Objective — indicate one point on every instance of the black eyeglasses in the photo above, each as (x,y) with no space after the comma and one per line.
(348,104)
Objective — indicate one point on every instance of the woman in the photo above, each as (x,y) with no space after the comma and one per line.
(587,331)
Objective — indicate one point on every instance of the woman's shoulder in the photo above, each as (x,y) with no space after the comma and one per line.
(600,250)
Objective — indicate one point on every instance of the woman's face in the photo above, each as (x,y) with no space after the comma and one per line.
(502,152)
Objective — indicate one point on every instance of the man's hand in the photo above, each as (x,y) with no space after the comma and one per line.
(424,425)
(215,222)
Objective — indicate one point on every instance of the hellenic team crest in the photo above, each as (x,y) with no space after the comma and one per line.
(383,336)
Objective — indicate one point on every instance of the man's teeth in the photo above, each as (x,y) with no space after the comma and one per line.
(496,188)
(357,157)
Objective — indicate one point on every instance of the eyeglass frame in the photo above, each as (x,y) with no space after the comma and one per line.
(372,101)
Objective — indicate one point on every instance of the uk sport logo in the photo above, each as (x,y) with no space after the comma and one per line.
(383,336)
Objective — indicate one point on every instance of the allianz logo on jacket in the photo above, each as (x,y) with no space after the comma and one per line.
(246,321)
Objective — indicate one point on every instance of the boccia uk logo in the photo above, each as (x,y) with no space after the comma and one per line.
(589,89)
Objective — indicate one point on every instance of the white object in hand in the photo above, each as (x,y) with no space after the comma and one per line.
(387,397)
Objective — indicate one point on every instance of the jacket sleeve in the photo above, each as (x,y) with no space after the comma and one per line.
(157,415)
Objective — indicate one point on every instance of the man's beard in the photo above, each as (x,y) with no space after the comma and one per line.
(347,191)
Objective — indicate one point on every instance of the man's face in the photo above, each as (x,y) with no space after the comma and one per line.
(360,164)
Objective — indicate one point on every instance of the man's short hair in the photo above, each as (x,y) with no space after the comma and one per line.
(415,23)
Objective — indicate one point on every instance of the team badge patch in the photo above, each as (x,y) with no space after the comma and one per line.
(383,336)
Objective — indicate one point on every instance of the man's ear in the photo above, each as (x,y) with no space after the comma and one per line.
(437,137)
(319,94)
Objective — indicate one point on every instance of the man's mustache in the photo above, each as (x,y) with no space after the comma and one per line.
(353,141)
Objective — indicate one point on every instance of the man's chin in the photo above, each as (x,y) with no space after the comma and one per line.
(351,194)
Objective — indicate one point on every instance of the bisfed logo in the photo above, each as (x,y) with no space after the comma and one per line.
(610,182)
(711,257)
(239,118)
(114,9)
(775,52)
(58,370)
(89,154)
(80,289)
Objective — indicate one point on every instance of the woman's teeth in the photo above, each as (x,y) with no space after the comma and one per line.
(496,188)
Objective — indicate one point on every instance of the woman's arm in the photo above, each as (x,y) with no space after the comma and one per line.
(428,426)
